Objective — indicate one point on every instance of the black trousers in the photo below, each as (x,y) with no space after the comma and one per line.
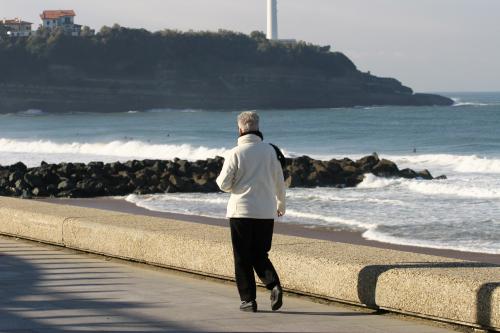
(252,240)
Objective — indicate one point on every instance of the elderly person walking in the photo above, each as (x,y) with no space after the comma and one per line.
(253,176)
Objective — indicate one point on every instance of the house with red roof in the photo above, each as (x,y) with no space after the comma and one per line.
(16,27)
(52,19)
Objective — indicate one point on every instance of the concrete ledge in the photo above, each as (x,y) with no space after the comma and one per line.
(445,289)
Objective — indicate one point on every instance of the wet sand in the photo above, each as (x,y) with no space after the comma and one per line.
(320,233)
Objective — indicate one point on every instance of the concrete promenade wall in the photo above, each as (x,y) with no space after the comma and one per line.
(435,287)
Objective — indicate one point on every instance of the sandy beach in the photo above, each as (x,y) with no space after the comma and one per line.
(319,233)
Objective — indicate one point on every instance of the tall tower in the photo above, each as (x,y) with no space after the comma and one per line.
(272,19)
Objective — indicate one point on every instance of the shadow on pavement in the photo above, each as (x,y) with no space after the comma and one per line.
(29,303)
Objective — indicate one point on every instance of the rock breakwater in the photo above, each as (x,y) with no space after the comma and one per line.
(79,180)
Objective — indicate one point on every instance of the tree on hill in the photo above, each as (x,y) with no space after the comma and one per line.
(119,51)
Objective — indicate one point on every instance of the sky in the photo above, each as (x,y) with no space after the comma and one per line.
(429,45)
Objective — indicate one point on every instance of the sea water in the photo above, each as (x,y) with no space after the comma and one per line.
(460,141)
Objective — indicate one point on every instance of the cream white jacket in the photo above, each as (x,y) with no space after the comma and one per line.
(253,176)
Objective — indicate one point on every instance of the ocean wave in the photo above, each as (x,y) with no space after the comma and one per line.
(462,245)
(327,195)
(117,148)
(372,182)
(435,188)
(470,104)
(328,220)
(440,188)
(458,102)
(180,198)
(31,113)
(458,163)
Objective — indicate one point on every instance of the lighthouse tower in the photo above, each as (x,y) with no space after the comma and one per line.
(272,19)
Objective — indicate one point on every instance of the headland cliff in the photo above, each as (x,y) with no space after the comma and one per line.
(121,69)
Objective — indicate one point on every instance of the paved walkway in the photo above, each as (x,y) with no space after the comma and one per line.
(48,289)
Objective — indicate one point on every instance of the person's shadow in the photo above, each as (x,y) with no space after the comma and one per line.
(369,275)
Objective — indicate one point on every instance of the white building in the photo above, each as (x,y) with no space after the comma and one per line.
(17,27)
(52,19)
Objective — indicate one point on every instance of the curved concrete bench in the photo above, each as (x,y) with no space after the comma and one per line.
(444,289)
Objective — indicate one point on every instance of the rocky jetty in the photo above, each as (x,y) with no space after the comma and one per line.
(79,180)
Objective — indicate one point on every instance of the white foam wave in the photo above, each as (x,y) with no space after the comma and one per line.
(325,195)
(179,198)
(441,188)
(118,149)
(328,220)
(470,104)
(31,112)
(458,163)
(206,205)
(458,102)
(371,182)
(436,187)
(462,245)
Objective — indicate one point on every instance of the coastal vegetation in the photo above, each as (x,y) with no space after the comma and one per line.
(119,51)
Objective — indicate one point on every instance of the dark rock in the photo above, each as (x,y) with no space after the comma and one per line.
(39,192)
(65,186)
(159,167)
(350,169)
(183,168)
(182,184)
(347,162)
(366,164)
(66,169)
(51,189)
(408,173)
(116,167)
(19,166)
(133,166)
(354,180)
(385,168)
(33,179)
(425,174)
(20,184)
(442,177)
(293,180)
(171,189)
(176,181)
(26,194)
(334,166)
(95,165)
(14,176)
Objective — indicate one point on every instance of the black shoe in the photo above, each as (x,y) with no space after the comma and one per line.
(276,297)
(250,306)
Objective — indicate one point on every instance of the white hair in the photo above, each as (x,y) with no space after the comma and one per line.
(248,121)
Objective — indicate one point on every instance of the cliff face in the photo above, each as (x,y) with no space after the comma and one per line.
(64,89)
